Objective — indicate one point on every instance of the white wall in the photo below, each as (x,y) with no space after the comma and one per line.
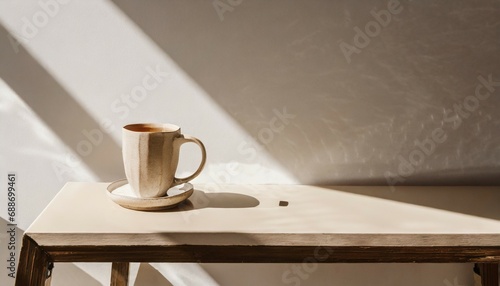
(224,70)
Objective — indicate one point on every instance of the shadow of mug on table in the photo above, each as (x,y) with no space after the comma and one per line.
(200,200)
(151,155)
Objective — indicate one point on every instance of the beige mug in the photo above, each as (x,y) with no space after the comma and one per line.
(150,157)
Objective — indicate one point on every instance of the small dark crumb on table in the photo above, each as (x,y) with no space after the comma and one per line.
(283,203)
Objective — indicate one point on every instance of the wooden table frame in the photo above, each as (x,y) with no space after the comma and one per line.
(39,252)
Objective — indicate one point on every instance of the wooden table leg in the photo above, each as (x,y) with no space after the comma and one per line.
(119,274)
(489,274)
(35,265)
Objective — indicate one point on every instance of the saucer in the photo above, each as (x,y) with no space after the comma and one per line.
(121,193)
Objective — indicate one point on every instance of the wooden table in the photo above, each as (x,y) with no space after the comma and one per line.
(256,223)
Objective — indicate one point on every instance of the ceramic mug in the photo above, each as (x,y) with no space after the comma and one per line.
(150,157)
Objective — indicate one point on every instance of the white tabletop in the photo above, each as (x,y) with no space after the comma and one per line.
(86,208)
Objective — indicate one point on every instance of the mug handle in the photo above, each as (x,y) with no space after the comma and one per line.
(185,139)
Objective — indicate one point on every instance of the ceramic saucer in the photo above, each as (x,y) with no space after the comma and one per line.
(121,193)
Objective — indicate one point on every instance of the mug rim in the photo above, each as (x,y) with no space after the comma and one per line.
(151,127)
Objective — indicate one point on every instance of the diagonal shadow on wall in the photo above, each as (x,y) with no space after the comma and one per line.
(59,110)
(351,116)
(148,275)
